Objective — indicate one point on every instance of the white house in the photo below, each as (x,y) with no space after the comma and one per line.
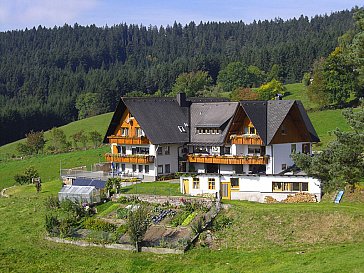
(244,146)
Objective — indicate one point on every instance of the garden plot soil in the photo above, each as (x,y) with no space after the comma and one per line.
(156,233)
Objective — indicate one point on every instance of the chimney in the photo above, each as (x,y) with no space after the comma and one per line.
(181,99)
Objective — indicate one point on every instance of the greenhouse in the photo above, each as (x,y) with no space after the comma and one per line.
(80,194)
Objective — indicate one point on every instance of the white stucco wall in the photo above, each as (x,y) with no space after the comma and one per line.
(255,187)
(163,159)
(281,155)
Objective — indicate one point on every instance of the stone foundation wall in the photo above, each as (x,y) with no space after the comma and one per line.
(160,199)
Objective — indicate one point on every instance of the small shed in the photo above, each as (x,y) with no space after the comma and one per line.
(80,194)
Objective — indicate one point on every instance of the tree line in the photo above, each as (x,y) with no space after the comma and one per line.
(47,75)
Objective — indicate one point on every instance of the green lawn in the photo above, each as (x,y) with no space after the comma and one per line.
(326,121)
(24,249)
(48,165)
(98,123)
(155,188)
(297,91)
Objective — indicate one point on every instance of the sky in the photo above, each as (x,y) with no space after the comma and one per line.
(21,14)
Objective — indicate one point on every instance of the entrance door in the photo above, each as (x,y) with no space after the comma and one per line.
(226,190)
(186,184)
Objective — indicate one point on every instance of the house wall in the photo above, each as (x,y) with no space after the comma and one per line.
(164,159)
(281,155)
(204,185)
(254,187)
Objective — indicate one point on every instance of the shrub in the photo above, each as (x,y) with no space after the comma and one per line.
(66,227)
(21,179)
(51,224)
(97,224)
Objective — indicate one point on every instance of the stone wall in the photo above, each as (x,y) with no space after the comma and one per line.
(161,199)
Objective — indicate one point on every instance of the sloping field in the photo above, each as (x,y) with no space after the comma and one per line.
(262,238)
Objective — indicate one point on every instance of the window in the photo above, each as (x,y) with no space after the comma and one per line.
(119,149)
(196,183)
(252,130)
(160,169)
(139,132)
(211,183)
(167,168)
(146,169)
(234,182)
(254,150)
(140,167)
(306,148)
(227,150)
(123,167)
(293,148)
(166,150)
(140,150)
(124,131)
(289,186)
(284,167)
(123,150)
(159,151)
(134,168)
(214,131)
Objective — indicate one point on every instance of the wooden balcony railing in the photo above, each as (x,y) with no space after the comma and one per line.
(138,159)
(224,159)
(128,140)
(246,139)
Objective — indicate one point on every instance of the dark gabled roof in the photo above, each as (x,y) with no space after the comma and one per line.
(158,117)
(277,110)
(307,121)
(268,116)
(257,113)
(211,115)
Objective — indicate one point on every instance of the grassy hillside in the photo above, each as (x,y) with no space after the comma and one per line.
(261,238)
(297,91)
(48,165)
(98,123)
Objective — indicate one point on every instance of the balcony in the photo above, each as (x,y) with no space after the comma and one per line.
(128,140)
(229,160)
(246,139)
(135,159)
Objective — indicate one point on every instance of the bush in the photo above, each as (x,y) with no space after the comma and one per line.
(51,224)
(21,179)
(66,227)
(26,178)
(97,224)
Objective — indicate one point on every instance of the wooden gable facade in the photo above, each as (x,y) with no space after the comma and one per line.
(128,131)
